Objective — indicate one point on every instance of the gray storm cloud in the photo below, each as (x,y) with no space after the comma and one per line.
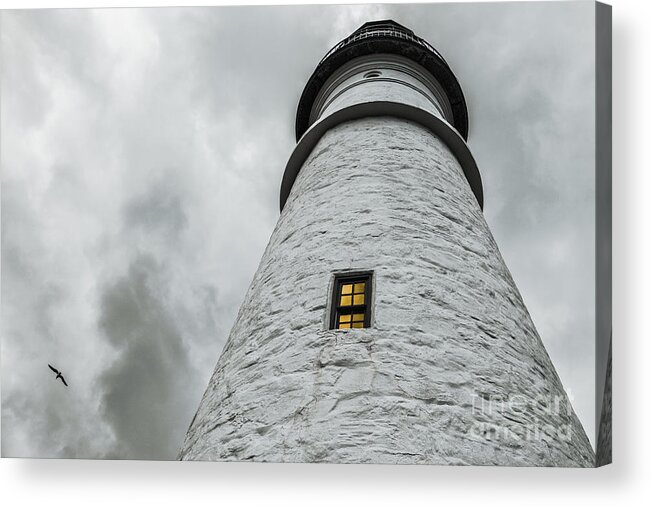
(143,392)
(142,153)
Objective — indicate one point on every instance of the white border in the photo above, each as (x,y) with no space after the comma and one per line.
(627,482)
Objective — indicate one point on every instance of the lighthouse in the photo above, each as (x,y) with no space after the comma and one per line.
(382,324)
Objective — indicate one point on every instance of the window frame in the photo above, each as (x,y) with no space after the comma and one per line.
(336,309)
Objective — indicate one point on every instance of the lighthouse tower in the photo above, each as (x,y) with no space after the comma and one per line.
(382,324)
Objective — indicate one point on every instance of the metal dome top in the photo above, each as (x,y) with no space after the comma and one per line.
(385,36)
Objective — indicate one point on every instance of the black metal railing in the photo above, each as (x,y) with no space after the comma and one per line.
(381,30)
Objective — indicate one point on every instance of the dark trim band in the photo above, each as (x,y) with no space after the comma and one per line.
(416,50)
(439,127)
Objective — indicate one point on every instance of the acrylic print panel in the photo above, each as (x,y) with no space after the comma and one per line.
(440,158)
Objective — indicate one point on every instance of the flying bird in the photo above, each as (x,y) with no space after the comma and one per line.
(58,374)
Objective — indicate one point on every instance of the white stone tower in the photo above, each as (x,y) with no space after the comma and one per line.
(382,324)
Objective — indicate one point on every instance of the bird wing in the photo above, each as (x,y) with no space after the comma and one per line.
(53,369)
(64,381)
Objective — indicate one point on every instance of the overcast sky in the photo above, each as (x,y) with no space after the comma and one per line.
(142,154)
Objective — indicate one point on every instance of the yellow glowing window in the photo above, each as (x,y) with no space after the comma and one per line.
(350,308)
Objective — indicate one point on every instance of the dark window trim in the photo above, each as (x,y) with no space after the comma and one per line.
(336,309)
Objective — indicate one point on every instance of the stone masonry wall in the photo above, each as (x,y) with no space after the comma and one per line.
(605,435)
(452,370)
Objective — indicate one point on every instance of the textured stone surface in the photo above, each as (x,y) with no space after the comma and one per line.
(450,332)
(605,437)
